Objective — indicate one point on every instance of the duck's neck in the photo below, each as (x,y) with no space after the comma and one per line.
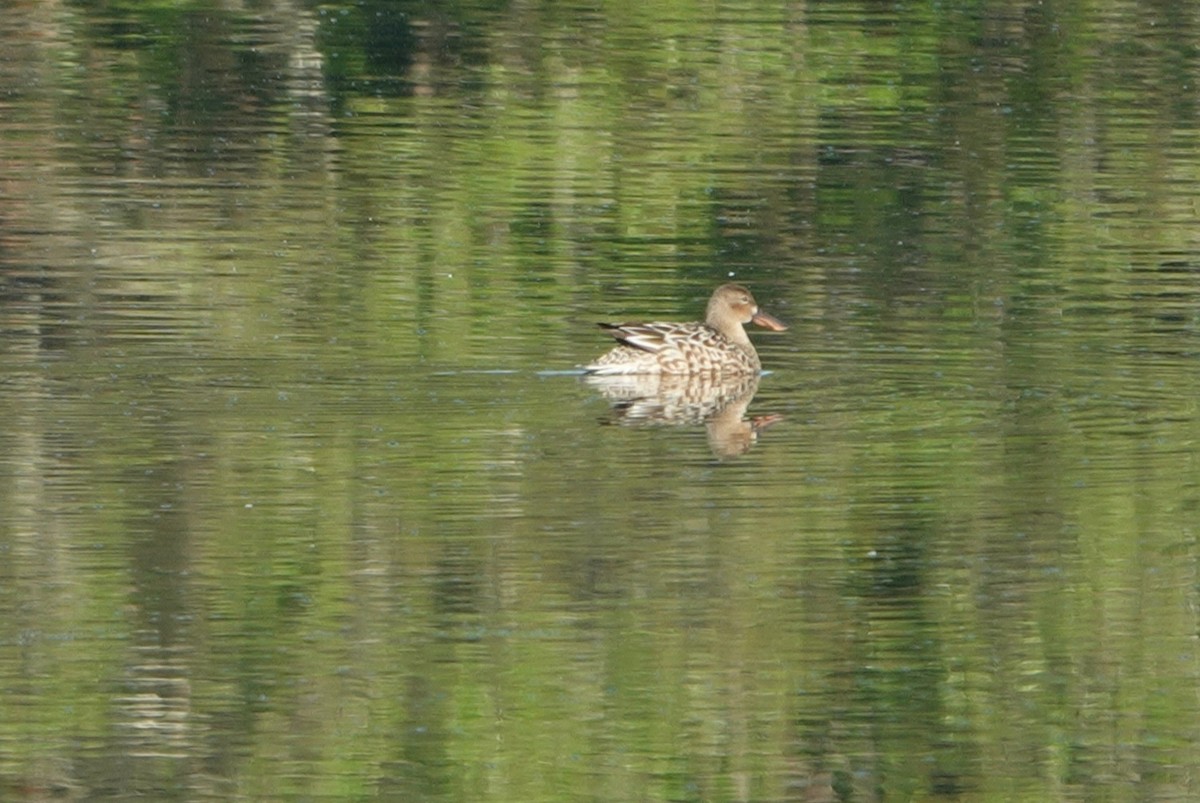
(736,334)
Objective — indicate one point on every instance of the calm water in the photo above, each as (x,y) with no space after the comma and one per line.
(301,499)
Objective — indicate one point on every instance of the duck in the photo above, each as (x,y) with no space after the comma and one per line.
(718,345)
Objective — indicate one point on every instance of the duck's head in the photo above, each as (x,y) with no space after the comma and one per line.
(732,305)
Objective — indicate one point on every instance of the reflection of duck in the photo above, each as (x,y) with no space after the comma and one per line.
(719,403)
(719,345)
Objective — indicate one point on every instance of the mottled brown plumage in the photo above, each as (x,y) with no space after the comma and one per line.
(718,345)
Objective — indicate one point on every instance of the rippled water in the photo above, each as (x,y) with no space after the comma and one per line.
(303,495)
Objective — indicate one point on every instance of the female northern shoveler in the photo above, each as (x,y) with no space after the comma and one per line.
(719,345)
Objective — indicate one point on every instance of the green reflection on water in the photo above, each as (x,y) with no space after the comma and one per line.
(290,511)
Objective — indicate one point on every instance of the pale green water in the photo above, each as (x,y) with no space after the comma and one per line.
(299,500)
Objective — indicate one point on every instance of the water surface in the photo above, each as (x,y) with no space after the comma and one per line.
(301,497)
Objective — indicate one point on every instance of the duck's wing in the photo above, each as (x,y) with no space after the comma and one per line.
(655,336)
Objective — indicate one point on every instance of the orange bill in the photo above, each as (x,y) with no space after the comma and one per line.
(769,321)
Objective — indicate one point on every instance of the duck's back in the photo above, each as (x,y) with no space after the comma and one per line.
(673,348)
